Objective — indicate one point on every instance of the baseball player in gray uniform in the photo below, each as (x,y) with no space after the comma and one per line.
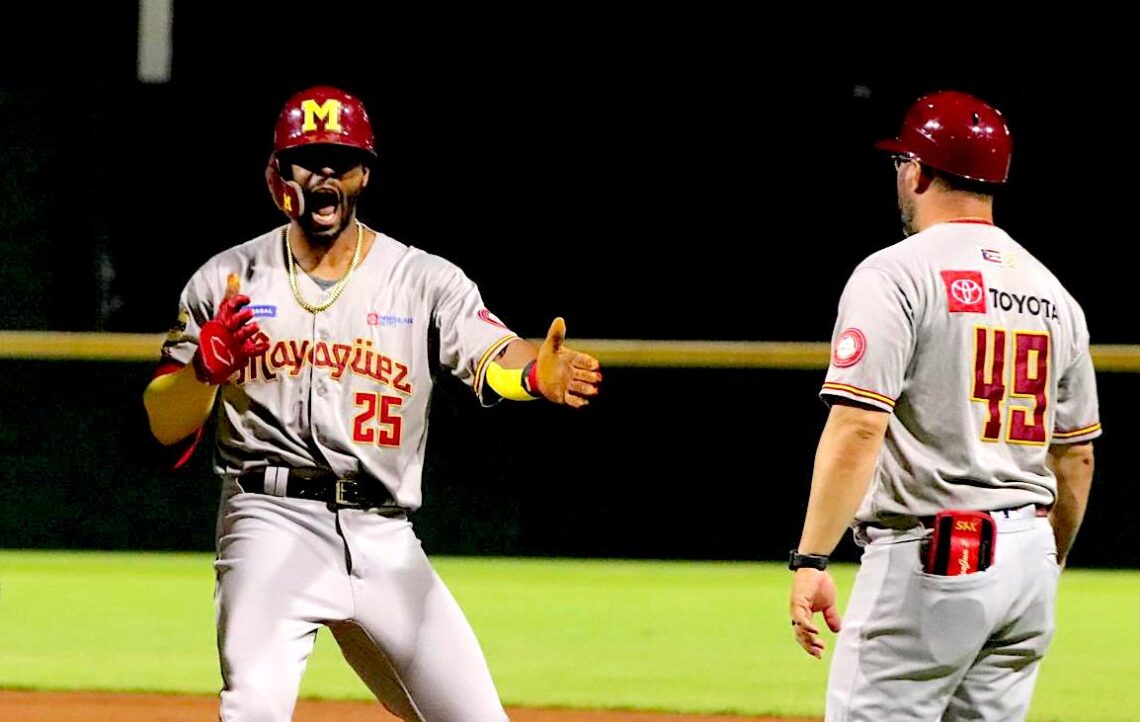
(962,407)
(316,343)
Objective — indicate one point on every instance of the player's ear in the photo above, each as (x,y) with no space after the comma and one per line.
(367,175)
(923,178)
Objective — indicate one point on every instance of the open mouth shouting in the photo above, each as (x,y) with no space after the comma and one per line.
(324,206)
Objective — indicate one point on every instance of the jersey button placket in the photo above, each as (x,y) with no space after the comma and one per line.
(319,386)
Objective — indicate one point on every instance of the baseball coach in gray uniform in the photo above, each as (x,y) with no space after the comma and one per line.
(958,445)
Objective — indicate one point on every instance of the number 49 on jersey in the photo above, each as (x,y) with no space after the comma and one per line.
(1028,380)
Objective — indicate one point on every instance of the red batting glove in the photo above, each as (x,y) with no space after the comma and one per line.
(227,342)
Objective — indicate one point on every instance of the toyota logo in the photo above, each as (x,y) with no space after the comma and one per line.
(966,291)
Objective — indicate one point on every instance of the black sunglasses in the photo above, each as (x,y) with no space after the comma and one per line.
(338,158)
(901,159)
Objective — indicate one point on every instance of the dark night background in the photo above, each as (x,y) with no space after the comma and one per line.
(645,176)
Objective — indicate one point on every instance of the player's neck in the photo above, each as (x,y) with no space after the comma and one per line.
(950,209)
(328,259)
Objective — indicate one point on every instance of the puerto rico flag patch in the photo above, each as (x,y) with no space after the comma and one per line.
(996,257)
(849,348)
(965,291)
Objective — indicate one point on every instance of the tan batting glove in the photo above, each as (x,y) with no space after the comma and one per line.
(565,376)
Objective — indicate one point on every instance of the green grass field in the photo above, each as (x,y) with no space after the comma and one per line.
(696,637)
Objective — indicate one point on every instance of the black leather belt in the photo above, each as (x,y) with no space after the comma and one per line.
(361,492)
(1039,510)
(902,523)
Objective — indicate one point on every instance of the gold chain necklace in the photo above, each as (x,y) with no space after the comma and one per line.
(337,287)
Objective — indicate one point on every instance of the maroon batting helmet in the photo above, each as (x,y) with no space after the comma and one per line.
(956,133)
(321,114)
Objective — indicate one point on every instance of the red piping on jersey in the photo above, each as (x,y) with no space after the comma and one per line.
(1058,434)
(979,221)
(856,391)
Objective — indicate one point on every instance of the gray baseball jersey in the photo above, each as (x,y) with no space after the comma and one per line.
(345,388)
(348,387)
(983,358)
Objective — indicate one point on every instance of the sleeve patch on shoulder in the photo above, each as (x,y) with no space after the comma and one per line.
(491,318)
(849,348)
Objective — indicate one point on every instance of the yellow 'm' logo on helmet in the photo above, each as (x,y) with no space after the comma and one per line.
(328,113)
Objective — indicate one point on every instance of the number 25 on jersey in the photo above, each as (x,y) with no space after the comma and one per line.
(1029,380)
(379,423)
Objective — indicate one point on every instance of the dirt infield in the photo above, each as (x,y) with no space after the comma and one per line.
(107,707)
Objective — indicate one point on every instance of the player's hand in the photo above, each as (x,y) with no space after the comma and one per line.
(565,376)
(228,341)
(812,591)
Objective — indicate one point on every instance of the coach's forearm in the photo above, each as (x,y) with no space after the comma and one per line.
(1073,465)
(844,462)
(177,404)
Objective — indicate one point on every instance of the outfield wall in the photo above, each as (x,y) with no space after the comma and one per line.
(671,463)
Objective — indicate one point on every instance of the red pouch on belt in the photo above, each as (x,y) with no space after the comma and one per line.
(962,543)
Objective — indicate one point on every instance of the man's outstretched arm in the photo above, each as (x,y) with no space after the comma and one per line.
(553,371)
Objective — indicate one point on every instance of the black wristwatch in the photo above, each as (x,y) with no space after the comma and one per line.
(811,561)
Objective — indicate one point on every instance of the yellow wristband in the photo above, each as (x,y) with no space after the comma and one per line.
(508,383)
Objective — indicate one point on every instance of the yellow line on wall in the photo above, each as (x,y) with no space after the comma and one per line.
(49,345)
(615,353)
